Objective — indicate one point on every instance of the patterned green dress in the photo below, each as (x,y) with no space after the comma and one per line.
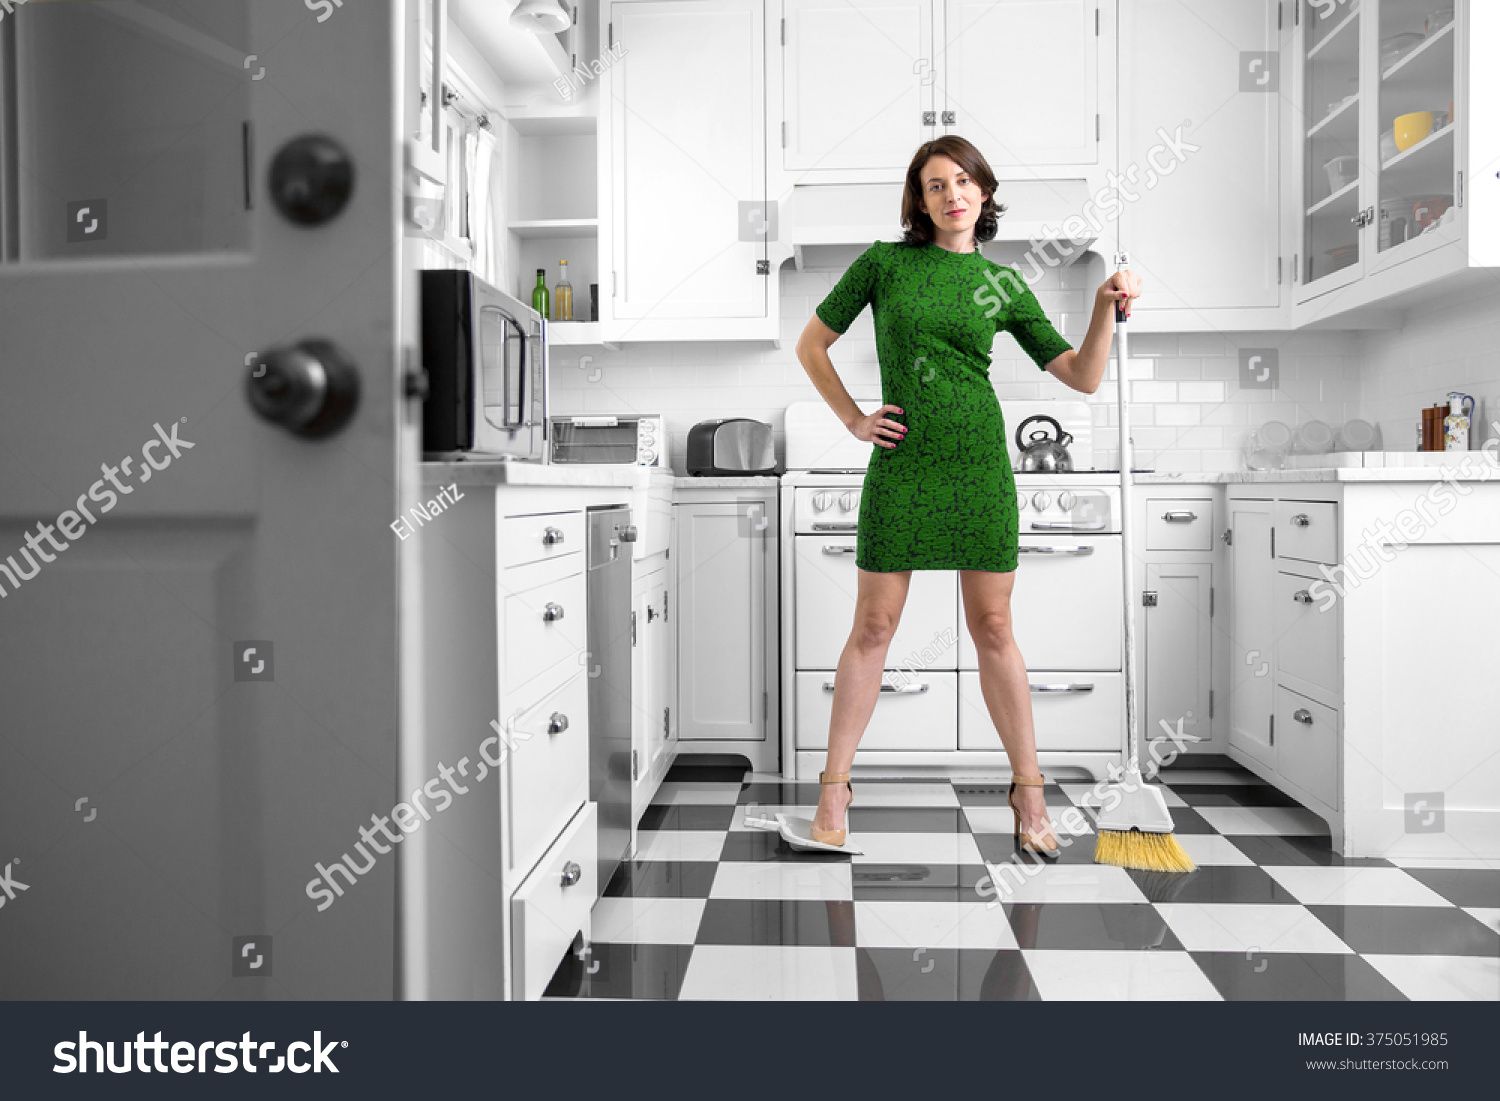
(944,498)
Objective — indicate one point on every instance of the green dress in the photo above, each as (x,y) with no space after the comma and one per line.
(944,498)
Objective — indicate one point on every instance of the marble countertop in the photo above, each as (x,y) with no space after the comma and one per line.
(482,473)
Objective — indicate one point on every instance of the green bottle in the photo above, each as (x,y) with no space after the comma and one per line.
(539,295)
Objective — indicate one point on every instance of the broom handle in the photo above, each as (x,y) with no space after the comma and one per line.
(1127,550)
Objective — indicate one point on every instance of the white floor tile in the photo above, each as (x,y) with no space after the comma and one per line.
(1118,976)
(1469,864)
(916,848)
(733,972)
(1248,927)
(646,920)
(1208,776)
(679,844)
(695,791)
(870,794)
(1264,821)
(1083,795)
(772,879)
(1210,848)
(1354,886)
(1442,978)
(1082,883)
(913,924)
(1001,820)
(1487,914)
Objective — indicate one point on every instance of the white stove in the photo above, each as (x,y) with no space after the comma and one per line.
(931,716)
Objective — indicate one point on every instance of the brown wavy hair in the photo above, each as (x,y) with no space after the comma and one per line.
(914,218)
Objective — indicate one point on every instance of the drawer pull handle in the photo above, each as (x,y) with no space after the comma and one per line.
(1077,552)
(1183,517)
(629,533)
(551,535)
(552,611)
(850,526)
(1062,687)
(1303,715)
(557,723)
(1066,525)
(1302,596)
(571,873)
(896,689)
(1302,520)
(829,548)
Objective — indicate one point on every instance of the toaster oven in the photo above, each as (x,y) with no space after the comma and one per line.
(625,439)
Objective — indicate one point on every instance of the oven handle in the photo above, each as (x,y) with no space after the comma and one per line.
(829,548)
(1080,551)
(1063,525)
(899,690)
(1062,687)
(850,526)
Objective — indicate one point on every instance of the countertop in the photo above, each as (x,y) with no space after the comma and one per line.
(490,473)
(1478,469)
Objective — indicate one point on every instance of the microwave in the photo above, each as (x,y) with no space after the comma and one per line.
(485,354)
(625,439)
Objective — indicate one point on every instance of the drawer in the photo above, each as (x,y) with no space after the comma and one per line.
(549,768)
(1307,745)
(1072,711)
(544,625)
(539,535)
(1307,637)
(547,911)
(1179,523)
(827,584)
(921,715)
(1307,531)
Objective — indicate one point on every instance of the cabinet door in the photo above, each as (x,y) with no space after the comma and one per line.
(1251,631)
(649,656)
(1332,94)
(721,599)
(1177,651)
(1021,79)
(1180,74)
(687,146)
(856,80)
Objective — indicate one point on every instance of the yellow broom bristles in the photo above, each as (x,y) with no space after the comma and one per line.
(1147,852)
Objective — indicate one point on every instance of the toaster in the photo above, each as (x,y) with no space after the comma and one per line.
(734,445)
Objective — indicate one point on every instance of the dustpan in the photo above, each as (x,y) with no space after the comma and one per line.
(797,832)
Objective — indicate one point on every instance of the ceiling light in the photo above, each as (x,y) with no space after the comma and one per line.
(540,17)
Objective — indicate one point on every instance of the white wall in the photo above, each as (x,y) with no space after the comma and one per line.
(1187,413)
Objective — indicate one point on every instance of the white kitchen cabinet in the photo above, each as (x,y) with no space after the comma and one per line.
(1252,575)
(1176,651)
(653,652)
(727,622)
(1201,163)
(684,114)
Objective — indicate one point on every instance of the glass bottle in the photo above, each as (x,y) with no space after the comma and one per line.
(563,294)
(539,295)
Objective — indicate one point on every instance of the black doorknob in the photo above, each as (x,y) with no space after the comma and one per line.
(312,178)
(310,389)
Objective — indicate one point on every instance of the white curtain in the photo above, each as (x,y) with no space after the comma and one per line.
(482,180)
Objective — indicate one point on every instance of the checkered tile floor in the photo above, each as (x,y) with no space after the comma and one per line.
(714,908)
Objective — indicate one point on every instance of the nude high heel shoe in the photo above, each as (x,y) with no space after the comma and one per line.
(1043,845)
(832,837)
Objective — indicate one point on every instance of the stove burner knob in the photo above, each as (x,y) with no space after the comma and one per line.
(821,501)
(1066,501)
(1021,501)
(848,501)
(1041,501)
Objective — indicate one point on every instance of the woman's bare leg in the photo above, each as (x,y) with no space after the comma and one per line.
(877,611)
(1003,683)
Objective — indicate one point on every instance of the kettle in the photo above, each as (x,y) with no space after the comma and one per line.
(1043,453)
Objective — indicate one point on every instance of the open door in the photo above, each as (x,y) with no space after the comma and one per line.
(199,425)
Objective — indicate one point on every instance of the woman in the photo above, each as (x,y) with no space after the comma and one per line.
(939,493)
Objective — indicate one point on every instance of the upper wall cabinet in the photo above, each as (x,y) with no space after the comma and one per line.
(1202,112)
(862,85)
(1396,150)
(685,249)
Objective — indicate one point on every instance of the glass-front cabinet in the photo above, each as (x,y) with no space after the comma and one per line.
(1381,150)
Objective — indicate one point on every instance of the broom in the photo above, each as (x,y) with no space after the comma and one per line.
(1135,827)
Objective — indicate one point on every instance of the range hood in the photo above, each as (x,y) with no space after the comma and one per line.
(837,216)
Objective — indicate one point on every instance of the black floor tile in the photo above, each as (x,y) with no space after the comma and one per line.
(1409,930)
(1232,795)
(777,921)
(1116,925)
(783,794)
(994,795)
(1294,977)
(997,848)
(920,882)
(688,816)
(662,879)
(709,768)
(1461,886)
(646,971)
(759,845)
(1212,883)
(1270,852)
(906,819)
(943,975)
(1197,762)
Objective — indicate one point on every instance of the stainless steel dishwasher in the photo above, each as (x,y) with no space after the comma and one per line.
(610,534)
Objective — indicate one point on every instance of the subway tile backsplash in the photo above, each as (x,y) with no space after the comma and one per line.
(1188,411)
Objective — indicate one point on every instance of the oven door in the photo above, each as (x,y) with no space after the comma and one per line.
(1065,607)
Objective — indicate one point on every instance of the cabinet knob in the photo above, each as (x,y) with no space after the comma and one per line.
(1303,715)
(629,534)
(571,873)
(552,611)
(1302,596)
(650,613)
(1301,520)
(551,536)
(557,723)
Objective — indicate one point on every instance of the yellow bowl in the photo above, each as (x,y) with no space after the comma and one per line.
(1412,128)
